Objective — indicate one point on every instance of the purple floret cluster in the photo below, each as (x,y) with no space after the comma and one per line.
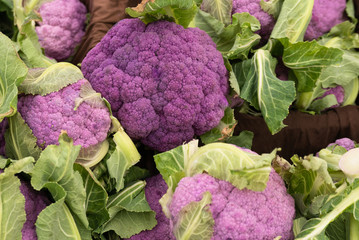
(164,83)
(338,92)
(3,126)
(62,27)
(48,115)
(35,202)
(155,188)
(325,15)
(346,143)
(240,214)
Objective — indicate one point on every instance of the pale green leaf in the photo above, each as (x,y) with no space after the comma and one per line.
(293,20)
(220,9)
(56,165)
(195,220)
(12,73)
(227,162)
(272,7)
(123,157)
(179,11)
(42,81)
(20,142)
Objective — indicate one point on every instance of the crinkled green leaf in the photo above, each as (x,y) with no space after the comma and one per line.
(123,157)
(307,60)
(96,197)
(129,211)
(235,40)
(195,220)
(20,142)
(12,73)
(55,165)
(179,11)
(220,9)
(263,90)
(12,202)
(232,164)
(42,81)
(293,20)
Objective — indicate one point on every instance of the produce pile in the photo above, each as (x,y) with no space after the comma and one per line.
(137,141)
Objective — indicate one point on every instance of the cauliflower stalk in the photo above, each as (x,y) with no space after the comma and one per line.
(244,198)
(165,83)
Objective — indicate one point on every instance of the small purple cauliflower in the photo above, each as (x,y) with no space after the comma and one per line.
(3,126)
(254,8)
(240,214)
(156,187)
(338,92)
(346,143)
(48,115)
(62,27)
(164,83)
(35,202)
(325,15)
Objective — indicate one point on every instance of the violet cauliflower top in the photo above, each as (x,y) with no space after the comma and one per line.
(240,214)
(346,143)
(325,15)
(35,202)
(62,27)
(48,115)
(155,188)
(165,83)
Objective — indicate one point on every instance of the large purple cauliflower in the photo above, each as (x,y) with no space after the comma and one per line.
(48,115)
(156,187)
(62,27)
(240,214)
(165,83)
(325,15)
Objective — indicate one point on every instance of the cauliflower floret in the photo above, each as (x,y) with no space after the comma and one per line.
(164,83)
(48,115)
(155,188)
(325,15)
(62,27)
(346,143)
(240,214)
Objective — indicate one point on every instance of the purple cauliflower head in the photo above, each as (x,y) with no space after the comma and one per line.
(325,15)
(240,214)
(62,27)
(155,188)
(35,202)
(338,92)
(3,126)
(48,115)
(346,143)
(254,8)
(164,83)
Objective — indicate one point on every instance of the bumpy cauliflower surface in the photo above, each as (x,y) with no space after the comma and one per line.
(240,214)
(48,115)
(325,15)
(35,202)
(62,27)
(165,83)
(346,143)
(156,187)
